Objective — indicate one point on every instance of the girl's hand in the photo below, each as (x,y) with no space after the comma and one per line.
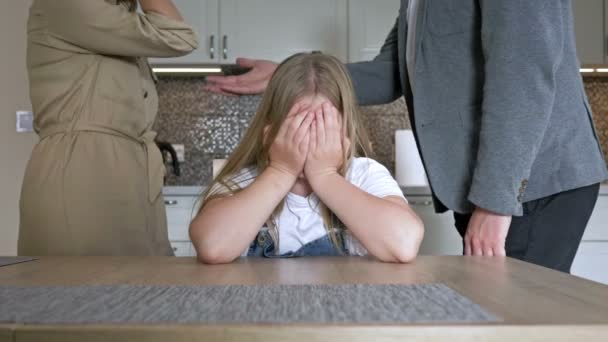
(325,154)
(289,149)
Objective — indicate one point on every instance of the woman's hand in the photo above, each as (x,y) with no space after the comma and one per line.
(325,155)
(289,149)
(164,7)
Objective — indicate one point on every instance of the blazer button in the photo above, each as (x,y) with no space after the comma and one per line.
(145,94)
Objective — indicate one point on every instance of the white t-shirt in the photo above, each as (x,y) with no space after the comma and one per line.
(300,221)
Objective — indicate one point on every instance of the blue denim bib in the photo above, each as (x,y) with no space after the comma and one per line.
(263,246)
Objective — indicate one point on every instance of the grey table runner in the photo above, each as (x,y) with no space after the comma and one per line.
(380,304)
(5,261)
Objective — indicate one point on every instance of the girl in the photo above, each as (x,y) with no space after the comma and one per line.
(93,183)
(296,186)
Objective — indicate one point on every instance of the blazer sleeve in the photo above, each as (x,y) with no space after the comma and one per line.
(102,27)
(378,81)
(522,44)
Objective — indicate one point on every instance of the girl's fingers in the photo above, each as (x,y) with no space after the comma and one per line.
(294,124)
(320,125)
(313,138)
(332,130)
(305,144)
(304,128)
(295,109)
(284,129)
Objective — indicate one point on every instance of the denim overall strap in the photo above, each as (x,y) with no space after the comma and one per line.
(263,246)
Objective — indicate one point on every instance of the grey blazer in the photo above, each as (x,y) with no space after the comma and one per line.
(500,112)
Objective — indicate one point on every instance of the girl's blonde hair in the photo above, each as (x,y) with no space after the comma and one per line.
(301,75)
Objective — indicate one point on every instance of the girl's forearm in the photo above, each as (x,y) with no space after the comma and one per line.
(164,7)
(226,226)
(390,231)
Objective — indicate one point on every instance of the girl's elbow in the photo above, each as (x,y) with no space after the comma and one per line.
(211,257)
(206,252)
(410,244)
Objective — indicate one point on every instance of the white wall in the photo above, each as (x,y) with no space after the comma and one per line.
(15,147)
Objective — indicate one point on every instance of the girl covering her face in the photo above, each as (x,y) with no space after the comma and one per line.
(298,183)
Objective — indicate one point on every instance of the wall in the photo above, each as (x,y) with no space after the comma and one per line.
(210,125)
(15,147)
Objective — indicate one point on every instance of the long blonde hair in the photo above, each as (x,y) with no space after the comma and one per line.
(301,75)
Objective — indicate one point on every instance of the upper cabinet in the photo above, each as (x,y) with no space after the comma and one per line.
(369,25)
(352,30)
(203,16)
(277,29)
(589,28)
(263,29)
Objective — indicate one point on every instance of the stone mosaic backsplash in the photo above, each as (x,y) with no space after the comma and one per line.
(210,126)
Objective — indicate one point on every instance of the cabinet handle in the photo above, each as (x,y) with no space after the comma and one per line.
(171,202)
(225,47)
(424,203)
(212,47)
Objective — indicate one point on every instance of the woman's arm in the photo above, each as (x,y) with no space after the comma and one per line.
(225,227)
(100,27)
(386,227)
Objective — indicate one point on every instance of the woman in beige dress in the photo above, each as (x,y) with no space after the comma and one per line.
(93,183)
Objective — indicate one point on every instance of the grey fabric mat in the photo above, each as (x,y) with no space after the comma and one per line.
(5,261)
(381,304)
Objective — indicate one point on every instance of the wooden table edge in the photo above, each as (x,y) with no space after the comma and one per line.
(306,333)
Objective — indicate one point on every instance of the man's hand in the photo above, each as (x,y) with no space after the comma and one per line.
(486,233)
(253,82)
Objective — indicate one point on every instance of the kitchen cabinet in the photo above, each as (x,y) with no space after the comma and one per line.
(180,211)
(591,261)
(369,24)
(589,18)
(263,29)
(202,15)
(440,235)
(277,29)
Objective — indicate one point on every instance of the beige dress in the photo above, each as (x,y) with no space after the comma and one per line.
(93,183)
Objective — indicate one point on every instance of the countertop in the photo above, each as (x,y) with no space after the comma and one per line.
(532,302)
(407,190)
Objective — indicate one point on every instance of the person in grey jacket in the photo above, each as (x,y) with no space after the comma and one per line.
(498,108)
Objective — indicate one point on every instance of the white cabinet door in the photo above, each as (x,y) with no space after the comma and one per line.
(203,16)
(370,21)
(276,29)
(591,261)
(440,235)
(180,210)
(182,249)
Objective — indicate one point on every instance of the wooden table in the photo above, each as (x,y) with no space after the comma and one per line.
(534,302)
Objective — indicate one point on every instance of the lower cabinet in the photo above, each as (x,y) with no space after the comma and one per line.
(180,211)
(440,237)
(591,261)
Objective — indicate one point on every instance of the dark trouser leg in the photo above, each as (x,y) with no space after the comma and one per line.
(550,231)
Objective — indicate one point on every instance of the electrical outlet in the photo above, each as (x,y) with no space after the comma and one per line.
(25,121)
(180,150)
